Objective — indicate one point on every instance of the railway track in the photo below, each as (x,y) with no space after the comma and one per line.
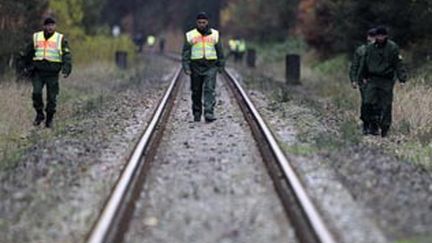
(113,222)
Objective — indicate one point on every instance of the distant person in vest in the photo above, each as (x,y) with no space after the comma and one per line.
(46,56)
(202,58)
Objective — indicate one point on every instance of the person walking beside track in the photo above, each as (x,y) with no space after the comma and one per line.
(381,64)
(353,74)
(45,57)
(202,58)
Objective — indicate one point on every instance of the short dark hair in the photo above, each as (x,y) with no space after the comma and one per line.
(49,20)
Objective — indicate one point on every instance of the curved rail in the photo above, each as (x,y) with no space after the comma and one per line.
(110,220)
(314,223)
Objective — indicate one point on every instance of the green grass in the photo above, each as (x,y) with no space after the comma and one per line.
(423,239)
(300,149)
(276,51)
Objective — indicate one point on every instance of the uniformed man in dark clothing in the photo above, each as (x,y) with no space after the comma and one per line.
(46,56)
(381,64)
(202,58)
(353,74)
(161,45)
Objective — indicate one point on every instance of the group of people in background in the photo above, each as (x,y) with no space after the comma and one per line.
(150,41)
(237,49)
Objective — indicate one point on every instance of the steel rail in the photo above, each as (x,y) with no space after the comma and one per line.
(105,227)
(314,219)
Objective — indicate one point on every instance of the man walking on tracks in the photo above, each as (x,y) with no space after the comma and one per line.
(202,58)
(46,56)
(381,64)
(353,74)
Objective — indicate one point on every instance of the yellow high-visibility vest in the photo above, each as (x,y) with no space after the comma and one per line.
(242,46)
(49,50)
(203,47)
(151,40)
(232,44)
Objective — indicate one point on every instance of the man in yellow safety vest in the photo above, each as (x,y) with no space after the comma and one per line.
(232,43)
(241,49)
(151,41)
(202,58)
(45,57)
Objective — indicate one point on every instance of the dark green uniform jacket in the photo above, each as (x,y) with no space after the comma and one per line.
(382,61)
(356,62)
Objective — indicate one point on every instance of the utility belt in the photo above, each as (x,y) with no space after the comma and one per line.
(380,76)
(204,62)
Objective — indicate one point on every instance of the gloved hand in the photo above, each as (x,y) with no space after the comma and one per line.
(354,85)
(66,70)
(188,72)
(28,71)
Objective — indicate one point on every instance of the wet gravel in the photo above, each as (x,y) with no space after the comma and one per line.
(55,192)
(208,183)
(366,194)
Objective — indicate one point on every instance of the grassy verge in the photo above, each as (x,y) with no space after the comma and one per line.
(327,92)
(88,89)
(411,134)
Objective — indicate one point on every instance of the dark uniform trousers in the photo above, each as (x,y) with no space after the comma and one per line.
(363,111)
(204,83)
(51,80)
(378,99)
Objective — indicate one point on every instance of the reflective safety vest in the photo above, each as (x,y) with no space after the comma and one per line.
(151,40)
(50,50)
(232,44)
(242,46)
(203,47)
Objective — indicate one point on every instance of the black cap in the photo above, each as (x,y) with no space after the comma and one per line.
(372,32)
(381,30)
(202,15)
(49,20)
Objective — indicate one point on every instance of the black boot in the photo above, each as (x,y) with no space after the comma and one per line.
(384,131)
(39,118)
(197,117)
(210,119)
(366,129)
(49,120)
(374,129)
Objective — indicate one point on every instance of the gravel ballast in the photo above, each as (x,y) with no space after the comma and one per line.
(208,183)
(366,194)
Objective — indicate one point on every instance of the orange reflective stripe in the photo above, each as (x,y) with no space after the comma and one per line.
(203,45)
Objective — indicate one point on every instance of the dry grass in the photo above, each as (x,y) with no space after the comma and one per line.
(17,114)
(411,134)
(413,106)
(89,88)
